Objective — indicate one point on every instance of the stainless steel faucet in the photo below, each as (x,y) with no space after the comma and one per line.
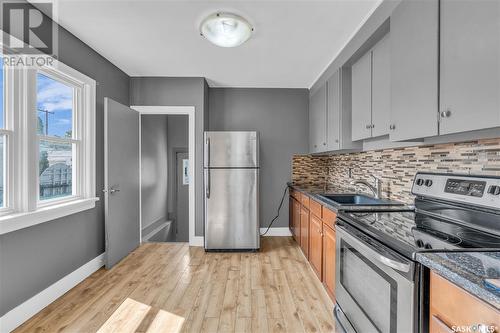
(376,188)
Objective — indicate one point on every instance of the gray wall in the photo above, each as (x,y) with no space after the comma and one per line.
(281,117)
(154,167)
(178,138)
(32,259)
(176,91)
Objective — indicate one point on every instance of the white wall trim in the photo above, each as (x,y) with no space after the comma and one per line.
(16,221)
(190,112)
(35,304)
(197,241)
(278,231)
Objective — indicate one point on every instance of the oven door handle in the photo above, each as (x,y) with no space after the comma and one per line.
(350,232)
(397,265)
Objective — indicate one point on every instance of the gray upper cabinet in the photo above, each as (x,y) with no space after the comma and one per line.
(371,92)
(414,70)
(381,87)
(317,120)
(330,115)
(339,112)
(470,65)
(362,98)
(333,112)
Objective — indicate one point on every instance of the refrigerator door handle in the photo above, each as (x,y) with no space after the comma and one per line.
(207,187)
(207,143)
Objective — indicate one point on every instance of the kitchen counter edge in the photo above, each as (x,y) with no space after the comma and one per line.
(463,271)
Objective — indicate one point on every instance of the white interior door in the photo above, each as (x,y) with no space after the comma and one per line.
(122,184)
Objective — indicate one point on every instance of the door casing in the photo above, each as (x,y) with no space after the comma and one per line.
(190,112)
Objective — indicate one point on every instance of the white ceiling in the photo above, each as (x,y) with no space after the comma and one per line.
(293,43)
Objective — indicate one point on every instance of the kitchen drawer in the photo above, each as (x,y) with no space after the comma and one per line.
(316,208)
(304,199)
(329,217)
(451,306)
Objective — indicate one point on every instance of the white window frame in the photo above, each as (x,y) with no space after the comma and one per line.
(77,140)
(8,133)
(23,209)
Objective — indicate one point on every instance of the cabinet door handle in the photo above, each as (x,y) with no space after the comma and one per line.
(446,114)
(392,127)
(367,126)
(373,126)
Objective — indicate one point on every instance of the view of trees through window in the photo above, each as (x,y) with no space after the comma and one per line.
(55,120)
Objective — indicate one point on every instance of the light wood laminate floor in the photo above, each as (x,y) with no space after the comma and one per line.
(171,287)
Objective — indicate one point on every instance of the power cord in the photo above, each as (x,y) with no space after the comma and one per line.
(278,214)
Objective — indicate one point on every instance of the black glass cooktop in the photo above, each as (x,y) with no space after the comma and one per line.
(411,232)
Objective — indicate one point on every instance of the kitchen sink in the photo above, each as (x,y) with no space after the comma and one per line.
(359,199)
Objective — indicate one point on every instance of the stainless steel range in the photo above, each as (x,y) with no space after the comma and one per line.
(379,285)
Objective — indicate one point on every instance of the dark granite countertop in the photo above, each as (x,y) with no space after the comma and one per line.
(316,193)
(468,270)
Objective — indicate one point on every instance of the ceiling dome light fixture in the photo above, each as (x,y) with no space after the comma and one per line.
(226,29)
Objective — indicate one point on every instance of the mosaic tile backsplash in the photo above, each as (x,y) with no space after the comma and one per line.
(397,167)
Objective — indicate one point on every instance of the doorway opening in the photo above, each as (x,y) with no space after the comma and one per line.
(146,230)
(164,178)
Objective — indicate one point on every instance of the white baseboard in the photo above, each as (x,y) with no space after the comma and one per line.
(276,232)
(197,241)
(35,304)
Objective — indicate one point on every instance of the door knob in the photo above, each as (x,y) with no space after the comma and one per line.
(445,114)
(112,190)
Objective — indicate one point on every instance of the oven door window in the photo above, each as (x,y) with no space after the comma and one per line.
(373,291)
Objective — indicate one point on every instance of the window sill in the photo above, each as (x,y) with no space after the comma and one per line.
(16,221)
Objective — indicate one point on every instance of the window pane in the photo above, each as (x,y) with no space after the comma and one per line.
(1,94)
(55,169)
(2,170)
(54,107)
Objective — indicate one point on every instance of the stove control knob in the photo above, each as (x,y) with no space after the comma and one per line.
(428,246)
(420,182)
(428,183)
(420,243)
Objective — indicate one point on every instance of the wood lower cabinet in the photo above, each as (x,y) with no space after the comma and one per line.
(313,227)
(316,244)
(296,220)
(329,259)
(453,309)
(304,231)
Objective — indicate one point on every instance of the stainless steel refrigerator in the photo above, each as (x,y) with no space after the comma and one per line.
(231,167)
